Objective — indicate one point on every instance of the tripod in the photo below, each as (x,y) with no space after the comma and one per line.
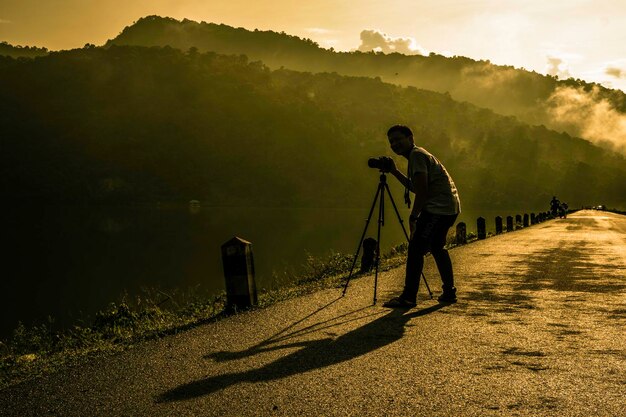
(380,191)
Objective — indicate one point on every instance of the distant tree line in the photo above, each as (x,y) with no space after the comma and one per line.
(18,51)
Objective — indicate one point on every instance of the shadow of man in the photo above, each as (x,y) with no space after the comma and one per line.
(314,355)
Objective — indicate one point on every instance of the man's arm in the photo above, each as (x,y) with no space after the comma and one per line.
(402,178)
(420,188)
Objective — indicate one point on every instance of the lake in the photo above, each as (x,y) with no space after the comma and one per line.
(69,262)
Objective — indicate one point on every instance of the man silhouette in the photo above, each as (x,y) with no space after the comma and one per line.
(554,206)
(435,210)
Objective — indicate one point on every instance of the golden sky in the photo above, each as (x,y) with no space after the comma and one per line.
(580,38)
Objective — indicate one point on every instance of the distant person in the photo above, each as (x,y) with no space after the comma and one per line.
(554,206)
(435,210)
(563,210)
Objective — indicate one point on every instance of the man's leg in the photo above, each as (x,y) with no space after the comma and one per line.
(442,258)
(414,267)
(444,265)
(418,246)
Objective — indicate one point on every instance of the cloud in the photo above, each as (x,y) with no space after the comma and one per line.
(589,115)
(375,40)
(615,72)
(557,67)
(4,21)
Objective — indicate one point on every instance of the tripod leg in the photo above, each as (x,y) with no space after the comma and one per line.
(427,286)
(397,211)
(381,222)
(405,234)
(358,249)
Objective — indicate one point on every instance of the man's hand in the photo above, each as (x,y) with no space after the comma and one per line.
(391,164)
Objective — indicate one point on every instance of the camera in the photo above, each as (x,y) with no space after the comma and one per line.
(383,163)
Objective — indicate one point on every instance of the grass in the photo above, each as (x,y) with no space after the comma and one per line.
(37,350)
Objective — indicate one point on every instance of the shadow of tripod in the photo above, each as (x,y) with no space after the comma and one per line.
(380,197)
(314,354)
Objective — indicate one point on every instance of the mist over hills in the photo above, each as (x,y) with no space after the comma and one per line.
(582,109)
(137,124)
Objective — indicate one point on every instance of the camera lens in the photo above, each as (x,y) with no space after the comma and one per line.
(374,163)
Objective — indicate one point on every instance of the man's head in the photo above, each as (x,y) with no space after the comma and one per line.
(401,139)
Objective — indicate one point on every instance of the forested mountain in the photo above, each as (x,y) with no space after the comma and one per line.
(135,124)
(7,49)
(579,108)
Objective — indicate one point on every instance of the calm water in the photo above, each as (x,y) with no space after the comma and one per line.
(71,262)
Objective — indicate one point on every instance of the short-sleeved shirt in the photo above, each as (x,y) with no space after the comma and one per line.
(443,197)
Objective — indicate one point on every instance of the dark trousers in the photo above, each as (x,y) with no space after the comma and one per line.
(429,236)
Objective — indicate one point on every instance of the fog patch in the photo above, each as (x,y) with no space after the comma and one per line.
(589,116)
(615,72)
(557,67)
(375,40)
(489,76)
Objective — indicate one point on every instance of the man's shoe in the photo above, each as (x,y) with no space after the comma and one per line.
(447,297)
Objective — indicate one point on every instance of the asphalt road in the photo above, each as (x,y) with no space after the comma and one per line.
(539,330)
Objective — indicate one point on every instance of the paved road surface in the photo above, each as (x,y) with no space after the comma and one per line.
(539,330)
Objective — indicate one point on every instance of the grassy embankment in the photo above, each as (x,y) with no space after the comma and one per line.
(37,350)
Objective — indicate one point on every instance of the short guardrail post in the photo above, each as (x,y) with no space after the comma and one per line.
(498,225)
(238,265)
(518,221)
(526,220)
(481,228)
(509,223)
(369,254)
(461,234)
(533,218)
